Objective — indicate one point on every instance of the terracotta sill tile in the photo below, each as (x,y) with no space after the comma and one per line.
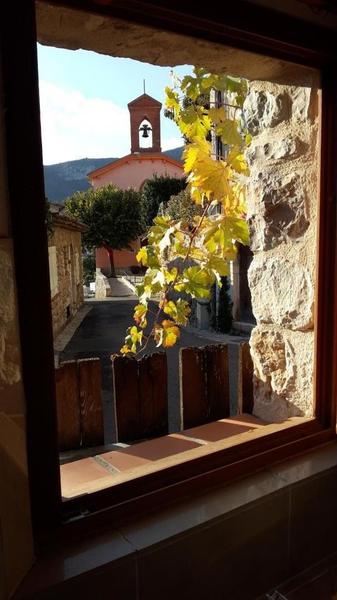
(220,430)
(122,461)
(81,472)
(149,451)
(98,471)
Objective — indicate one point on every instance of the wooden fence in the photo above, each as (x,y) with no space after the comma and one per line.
(204,384)
(140,394)
(79,404)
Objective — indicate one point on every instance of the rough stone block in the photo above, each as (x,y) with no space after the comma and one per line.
(280,210)
(263,109)
(287,147)
(283,373)
(301,97)
(282,293)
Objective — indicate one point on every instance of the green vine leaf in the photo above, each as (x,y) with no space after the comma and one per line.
(196,281)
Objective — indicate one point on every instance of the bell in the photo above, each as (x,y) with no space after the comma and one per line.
(145,129)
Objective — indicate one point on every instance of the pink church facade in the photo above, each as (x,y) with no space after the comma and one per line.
(133,170)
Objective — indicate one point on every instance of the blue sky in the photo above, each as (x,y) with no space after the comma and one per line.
(84,96)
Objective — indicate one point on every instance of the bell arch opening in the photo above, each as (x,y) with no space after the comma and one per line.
(145,134)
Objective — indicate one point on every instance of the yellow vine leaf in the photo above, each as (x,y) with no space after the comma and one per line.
(153,283)
(208,240)
(237,161)
(217,114)
(218,265)
(235,203)
(179,310)
(141,256)
(237,86)
(125,349)
(237,229)
(166,334)
(220,238)
(147,257)
(172,100)
(190,86)
(139,316)
(194,123)
(170,274)
(133,338)
(212,178)
(180,249)
(197,254)
(196,153)
(196,194)
(228,131)
(159,230)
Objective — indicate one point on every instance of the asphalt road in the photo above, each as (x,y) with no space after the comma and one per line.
(102,333)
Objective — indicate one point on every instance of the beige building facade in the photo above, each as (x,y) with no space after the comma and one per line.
(65,268)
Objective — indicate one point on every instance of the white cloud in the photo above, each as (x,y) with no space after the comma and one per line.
(172,142)
(74,126)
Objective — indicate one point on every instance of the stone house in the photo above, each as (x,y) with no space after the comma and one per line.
(65,267)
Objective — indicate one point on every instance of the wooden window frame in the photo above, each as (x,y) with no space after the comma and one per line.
(240,25)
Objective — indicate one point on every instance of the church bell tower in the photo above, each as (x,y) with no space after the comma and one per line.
(145,124)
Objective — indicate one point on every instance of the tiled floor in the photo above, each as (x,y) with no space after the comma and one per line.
(105,469)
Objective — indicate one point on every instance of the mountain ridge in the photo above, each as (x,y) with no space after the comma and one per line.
(64,179)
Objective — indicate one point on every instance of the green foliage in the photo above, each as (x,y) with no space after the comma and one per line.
(157,191)
(224,317)
(216,185)
(113,217)
(182,208)
(89,269)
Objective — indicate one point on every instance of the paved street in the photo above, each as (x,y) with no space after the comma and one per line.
(102,333)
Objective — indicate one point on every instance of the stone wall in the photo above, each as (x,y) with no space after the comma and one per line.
(282,210)
(69,296)
(16,541)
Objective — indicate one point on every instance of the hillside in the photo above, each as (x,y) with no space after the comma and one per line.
(63,179)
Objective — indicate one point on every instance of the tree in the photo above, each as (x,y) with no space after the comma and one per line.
(89,267)
(224,319)
(182,208)
(114,218)
(157,191)
(216,183)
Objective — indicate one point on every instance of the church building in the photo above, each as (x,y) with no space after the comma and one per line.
(131,171)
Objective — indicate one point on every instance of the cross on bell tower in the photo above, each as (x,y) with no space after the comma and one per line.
(145,120)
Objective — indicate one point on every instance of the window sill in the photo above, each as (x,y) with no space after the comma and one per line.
(108,469)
